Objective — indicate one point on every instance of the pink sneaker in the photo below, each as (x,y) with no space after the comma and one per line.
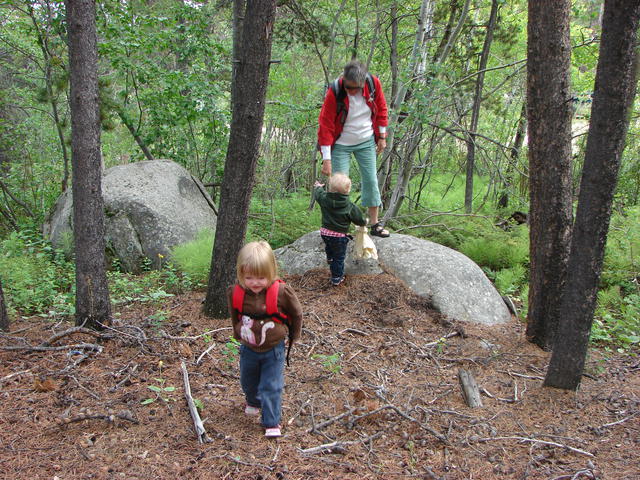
(273,432)
(253,411)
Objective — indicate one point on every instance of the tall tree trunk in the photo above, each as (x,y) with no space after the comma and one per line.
(615,88)
(248,96)
(4,316)
(475,111)
(93,307)
(549,119)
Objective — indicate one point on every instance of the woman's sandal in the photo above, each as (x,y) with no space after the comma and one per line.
(377,230)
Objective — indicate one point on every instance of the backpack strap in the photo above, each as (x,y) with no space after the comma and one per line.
(238,298)
(340,93)
(372,87)
(271,302)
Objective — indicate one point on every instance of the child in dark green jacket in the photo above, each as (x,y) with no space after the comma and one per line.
(338,213)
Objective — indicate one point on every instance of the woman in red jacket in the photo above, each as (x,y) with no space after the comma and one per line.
(353,120)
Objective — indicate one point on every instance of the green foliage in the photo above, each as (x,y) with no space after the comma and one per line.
(162,392)
(497,249)
(331,363)
(617,319)
(282,220)
(622,254)
(194,258)
(36,279)
(509,280)
(231,351)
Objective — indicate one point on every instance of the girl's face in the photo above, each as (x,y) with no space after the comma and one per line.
(255,283)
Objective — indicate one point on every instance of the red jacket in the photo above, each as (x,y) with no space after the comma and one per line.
(329,126)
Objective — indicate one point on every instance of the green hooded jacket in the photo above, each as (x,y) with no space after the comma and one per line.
(338,212)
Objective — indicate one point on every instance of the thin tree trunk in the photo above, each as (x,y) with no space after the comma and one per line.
(93,308)
(43,42)
(376,34)
(549,119)
(518,141)
(134,133)
(248,95)
(416,68)
(4,316)
(615,88)
(475,112)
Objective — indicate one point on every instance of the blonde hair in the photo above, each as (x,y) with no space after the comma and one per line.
(340,183)
(256,258)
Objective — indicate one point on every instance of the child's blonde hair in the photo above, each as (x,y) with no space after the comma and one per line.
(340,183)
(256,258)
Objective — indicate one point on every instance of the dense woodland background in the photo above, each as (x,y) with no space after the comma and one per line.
(455,171)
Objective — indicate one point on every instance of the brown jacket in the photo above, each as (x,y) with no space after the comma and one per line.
(263,335)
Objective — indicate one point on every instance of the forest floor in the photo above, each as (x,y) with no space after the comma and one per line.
(372,392)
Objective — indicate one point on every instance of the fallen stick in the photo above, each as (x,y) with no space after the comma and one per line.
(336,447)
(536,440)
(326,423)
(197,421)
(470,390)
(70,331)
(78,346)
(122,415)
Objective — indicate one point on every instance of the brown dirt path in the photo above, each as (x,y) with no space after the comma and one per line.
(372,393)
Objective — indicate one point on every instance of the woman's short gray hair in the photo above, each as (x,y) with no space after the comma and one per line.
(355,72)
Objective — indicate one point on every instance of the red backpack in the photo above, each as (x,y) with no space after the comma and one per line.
(271,302)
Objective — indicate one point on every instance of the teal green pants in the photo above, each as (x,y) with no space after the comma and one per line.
(365,155)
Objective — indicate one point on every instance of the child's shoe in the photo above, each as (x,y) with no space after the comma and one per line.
(253,411)
(337,281)
(273,432)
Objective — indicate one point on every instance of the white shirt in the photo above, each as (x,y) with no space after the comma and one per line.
(358,127)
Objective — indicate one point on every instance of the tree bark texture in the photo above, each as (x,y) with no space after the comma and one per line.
(615,86)
(92,293)
(475,111)
(248,96)
(4,316)
(549,119)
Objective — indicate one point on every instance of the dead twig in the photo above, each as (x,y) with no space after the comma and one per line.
(14,374)
(336,447)
(71,331)
(164,334)
(78,346)
(110,417)
(537,440)
(320,426)
(197,421)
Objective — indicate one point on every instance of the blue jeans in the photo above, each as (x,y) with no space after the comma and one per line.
(262,381)
(336,250)
(365,154)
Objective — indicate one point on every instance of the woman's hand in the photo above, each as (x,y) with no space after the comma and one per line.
(326,167)
(381,145)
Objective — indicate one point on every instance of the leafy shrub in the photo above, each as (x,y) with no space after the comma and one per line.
(498,249)
(194,258)
(281,221)
(35,277)
(510,280)
(622,254)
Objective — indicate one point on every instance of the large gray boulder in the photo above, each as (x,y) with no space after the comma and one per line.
(149,208)
(455,285)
